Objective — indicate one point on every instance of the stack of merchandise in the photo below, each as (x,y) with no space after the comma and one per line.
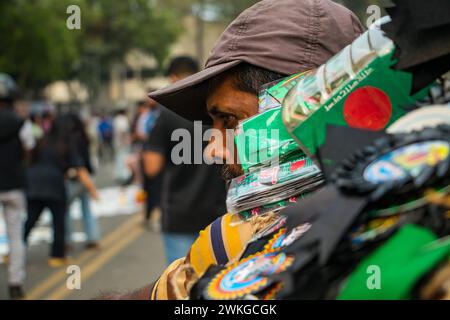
(271,189)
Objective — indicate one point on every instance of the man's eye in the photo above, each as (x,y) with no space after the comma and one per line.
(229,121)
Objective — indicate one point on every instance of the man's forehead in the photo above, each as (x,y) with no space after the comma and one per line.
(218,86)
(225,97)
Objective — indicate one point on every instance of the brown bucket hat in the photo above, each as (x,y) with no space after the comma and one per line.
(284,36)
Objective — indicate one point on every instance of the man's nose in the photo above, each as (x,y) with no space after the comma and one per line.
(217,150)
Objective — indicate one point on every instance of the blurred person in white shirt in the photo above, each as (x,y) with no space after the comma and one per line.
(122,140)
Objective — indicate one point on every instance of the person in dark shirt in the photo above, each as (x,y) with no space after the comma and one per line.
(55,157)
(193,195)
(12,183)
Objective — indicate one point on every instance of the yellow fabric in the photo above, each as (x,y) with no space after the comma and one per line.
(237,235)
(160,290)
(179,276)
(201,254)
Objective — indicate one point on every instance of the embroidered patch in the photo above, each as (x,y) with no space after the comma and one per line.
(248,276)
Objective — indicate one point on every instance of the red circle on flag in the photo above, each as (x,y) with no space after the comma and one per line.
(368,108)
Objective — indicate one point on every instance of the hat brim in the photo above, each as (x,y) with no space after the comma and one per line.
(187,97)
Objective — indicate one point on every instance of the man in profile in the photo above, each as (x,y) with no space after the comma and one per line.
(271,40)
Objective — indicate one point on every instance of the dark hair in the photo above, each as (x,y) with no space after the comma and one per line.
(59,139)
(248,78)
(183,65)
(65,133)
(78,128)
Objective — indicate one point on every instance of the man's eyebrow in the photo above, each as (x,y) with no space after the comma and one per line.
(221,110)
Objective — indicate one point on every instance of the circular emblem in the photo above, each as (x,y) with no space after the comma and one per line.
(248,276)
(368,108)
(399,166)
(276,241)
(409,160)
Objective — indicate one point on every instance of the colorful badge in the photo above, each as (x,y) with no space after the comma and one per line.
(248,276)
(276,241)
(406,161)
(281,239)
(382,171)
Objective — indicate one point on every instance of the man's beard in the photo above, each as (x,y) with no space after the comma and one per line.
(231,171)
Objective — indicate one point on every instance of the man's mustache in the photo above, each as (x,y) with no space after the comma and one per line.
(229,172)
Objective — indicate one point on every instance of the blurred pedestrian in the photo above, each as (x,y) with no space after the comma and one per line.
(105,129)
(36,122)
(185,208)
(94,138)
(12,183)
(149,112)
(144,121)
(76,190)
(47,120)
(122,141)
(55,157)
(151,184)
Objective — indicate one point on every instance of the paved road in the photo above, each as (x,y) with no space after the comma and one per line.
(130,256)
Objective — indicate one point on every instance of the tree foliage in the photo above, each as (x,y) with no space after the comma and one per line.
(37,48)
(112,28)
